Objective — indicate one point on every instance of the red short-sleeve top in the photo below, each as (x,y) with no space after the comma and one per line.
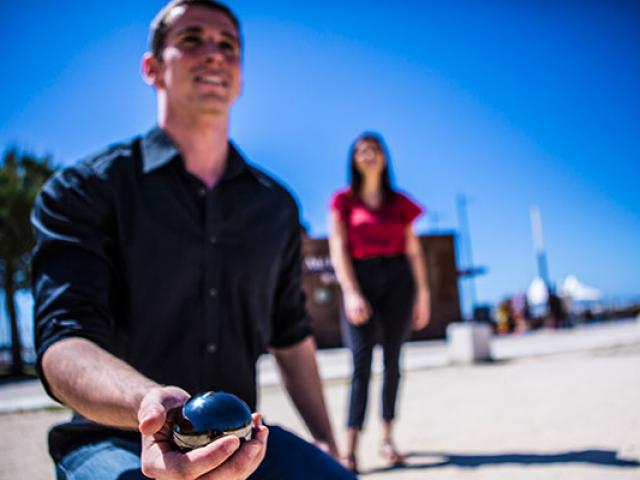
(379,232)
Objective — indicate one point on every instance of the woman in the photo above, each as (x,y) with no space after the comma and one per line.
(380,267)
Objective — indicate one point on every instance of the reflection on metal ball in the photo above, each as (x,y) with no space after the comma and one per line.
(209,416)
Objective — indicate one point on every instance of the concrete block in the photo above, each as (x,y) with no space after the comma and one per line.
(469,342)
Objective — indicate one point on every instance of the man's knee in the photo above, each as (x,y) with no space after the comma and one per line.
(105,460)
(291,458)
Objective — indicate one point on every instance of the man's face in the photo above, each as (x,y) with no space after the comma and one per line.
(200,69)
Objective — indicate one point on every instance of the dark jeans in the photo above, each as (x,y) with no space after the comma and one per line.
(288,458)
(387,284)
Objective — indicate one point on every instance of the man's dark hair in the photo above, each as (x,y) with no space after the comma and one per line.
(356,176)
(160,25)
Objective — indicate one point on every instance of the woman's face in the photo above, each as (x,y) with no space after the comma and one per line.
(369,159)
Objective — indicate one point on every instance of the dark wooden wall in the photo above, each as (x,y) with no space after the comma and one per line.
(323,292)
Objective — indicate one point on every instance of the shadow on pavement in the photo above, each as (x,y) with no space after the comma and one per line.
(7,379)
(443,459)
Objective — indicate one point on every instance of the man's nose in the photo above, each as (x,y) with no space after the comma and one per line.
(213,51)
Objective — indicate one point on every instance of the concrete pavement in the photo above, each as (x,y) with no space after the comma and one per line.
(553,404)
(335,363)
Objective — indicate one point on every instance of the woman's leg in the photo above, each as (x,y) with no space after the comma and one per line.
(391,380)
(395,320)
(360,340)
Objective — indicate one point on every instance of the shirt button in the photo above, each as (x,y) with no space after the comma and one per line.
(211,348)
(202,191)
(213,240)
(213,292)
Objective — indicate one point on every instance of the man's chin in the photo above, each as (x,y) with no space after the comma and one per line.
(214,104)
(207,109)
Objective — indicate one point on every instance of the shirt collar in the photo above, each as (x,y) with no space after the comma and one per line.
(158,149)
(236,165)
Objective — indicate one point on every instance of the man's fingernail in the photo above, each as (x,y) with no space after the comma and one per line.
(231,445)
(143,417)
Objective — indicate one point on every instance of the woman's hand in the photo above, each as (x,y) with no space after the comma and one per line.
(421,311)
(357,308)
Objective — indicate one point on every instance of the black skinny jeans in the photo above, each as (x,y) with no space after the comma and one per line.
(387,284)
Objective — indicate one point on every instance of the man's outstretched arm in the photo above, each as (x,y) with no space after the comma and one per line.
(96,384)
(106,390)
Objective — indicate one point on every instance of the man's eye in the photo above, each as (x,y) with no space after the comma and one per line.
(228,48)
(191,40)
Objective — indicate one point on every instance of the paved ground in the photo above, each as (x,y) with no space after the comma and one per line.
(564,407)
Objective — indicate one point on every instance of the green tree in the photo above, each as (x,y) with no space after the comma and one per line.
(21,176)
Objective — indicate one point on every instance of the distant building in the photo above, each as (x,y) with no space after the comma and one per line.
(323,292)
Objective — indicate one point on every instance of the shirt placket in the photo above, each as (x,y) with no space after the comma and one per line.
(211,265)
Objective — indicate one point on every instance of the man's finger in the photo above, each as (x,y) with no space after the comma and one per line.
(193,464)
(152,419)
(245,460)
(155,407)
(214,454)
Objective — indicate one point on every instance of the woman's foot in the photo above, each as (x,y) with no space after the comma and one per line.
(350,463)
(391,455)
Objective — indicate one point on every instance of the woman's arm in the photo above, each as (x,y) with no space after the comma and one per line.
(357,308)
(415,255)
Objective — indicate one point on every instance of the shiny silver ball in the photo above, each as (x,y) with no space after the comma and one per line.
(209,416)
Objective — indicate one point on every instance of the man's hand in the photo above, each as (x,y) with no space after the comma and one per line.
(329,449)
(356,308)
(223,459)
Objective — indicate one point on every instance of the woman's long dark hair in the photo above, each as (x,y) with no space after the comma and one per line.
(355,177)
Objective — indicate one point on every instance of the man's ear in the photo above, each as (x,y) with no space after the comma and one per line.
(151,70)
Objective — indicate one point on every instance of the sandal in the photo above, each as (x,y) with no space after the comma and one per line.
(391,455)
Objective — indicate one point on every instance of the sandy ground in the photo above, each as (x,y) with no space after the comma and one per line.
(565,416)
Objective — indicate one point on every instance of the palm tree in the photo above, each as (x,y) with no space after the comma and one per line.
(21,177)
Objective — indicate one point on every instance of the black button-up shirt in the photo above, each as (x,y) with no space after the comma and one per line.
(189,285)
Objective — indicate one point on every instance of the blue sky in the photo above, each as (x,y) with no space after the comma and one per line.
(513,104)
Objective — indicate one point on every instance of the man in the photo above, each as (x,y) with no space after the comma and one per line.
(164,266)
